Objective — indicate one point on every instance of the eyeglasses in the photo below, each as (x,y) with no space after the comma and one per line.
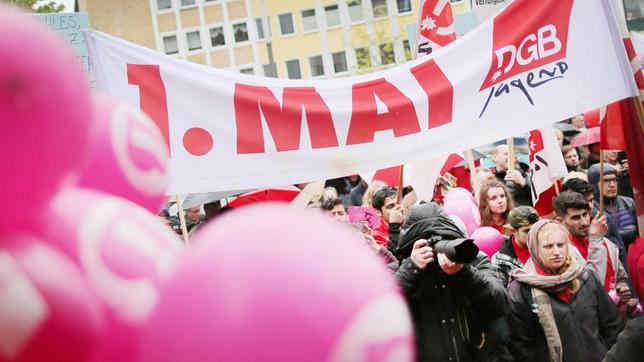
(608,181)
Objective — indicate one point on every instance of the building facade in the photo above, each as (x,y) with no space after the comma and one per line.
(280,38)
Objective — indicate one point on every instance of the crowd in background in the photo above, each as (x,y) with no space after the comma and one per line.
(556,288)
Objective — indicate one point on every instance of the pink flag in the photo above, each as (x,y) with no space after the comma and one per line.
(548,165)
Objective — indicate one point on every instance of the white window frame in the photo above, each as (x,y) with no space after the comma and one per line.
(317,26)
(311,68)
(169,34)
(411,6)
(361,9)
(373,8)
(223,29)
(346,62)
(246,66)
(299,64)
(232,30)
(182,7)
(193,30)
(279,23)
(326,20)
(163,11)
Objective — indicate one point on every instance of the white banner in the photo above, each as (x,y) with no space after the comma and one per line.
(486,9)
(526,69)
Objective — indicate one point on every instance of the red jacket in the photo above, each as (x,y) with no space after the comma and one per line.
(635,262)
(381,234)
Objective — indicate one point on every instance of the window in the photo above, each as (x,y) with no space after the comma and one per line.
(194,40)
(404,6)
(293,69)
(217,37)
(286,24)
(187,2)
(332,15)
(339,62)
(247,71)
(317,66)
(260,27)
(170,45)
(387,53)
(364,58)
(270,70)
(379,8)
(355,10)
(241,32)
(407,49)
(308,20)
(164,4)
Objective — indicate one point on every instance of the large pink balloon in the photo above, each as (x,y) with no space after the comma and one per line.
(123,250)
(129,157)
(47,310)
(268,283)
(44,116)
(488,240)
(459,193)
(466,210)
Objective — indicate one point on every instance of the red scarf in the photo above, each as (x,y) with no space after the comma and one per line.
(581,245)
(564,294)
(610,280)
(522,252)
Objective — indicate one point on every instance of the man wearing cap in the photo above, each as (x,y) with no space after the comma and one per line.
(621,208)
(514,252)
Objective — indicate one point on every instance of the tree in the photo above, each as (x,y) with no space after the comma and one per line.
(38,6)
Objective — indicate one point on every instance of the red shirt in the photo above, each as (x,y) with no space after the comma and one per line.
(522,252)
(381,233)
(635,261)
(581,245)
(499,228)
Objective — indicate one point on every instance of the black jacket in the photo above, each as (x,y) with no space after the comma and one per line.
(588,326)
(630,343)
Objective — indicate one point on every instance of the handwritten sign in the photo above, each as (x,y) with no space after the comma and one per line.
(70,27)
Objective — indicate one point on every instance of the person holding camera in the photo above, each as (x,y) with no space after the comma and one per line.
(451,288)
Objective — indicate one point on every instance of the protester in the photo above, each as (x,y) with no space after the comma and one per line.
(384,201)
(193,217)
(374,187)
(621,208)
(333,207)
(560,136)
(495,203)
(601,255)
(451,304)
(579,122)
(515,180)
(481,176)
(514,252)
(571,157)
(558,310)
(612,157)
(583,187)
(592,157)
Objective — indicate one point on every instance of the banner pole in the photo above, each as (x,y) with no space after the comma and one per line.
(601,182)
(510,142)
(557,187)
(182,220)
(400,185)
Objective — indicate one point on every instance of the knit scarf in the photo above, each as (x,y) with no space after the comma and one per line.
(532,274)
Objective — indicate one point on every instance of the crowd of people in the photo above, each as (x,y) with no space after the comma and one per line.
(557,288)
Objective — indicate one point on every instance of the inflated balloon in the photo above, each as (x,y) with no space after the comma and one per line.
(466,210)
(47,310)
(267,283)
(128,158)
(123,250)
(459,193)
(44,115)
(488,239)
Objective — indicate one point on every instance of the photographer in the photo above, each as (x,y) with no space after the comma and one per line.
(451,303)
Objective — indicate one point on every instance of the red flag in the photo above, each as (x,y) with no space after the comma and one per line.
(548,165)
(612,128)
(390,175)
(435,26)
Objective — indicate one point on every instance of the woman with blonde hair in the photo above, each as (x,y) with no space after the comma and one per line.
(374,187)
(558,309)
(495,203)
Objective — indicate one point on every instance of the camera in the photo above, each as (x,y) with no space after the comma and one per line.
(460,250)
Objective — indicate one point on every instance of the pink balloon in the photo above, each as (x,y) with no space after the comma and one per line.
(488,240)
(47,310)
(124,251)
(466,210)
(129,157)
(459,193)
(44,115)
(268,283)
